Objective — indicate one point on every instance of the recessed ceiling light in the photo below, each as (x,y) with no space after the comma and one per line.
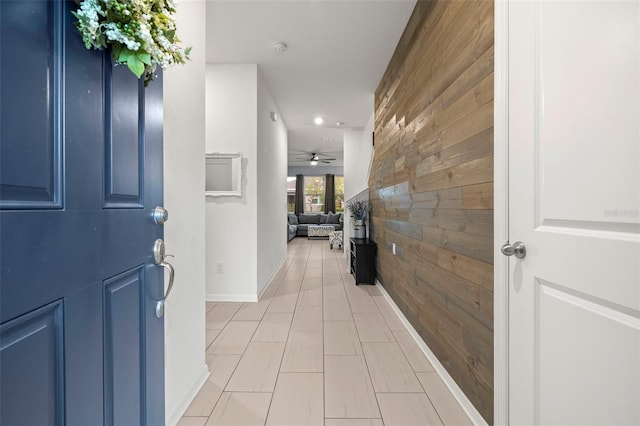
(318,120)
(340,123)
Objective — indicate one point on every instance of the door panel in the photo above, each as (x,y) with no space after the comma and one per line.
(25,93)
(86,244)
(574,185)
(123,170)
(32,368)
(122,348)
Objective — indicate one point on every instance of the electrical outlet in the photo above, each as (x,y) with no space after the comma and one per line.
(393,248)
(220,268)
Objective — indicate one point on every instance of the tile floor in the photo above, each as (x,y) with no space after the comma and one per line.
(317,350)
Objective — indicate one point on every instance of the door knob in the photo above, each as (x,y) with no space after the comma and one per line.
(159,258)
(518,249)
(160,215)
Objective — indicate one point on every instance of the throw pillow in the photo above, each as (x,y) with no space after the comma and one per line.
(334,218)
(293,219)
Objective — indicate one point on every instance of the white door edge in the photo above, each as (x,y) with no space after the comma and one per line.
(501,216)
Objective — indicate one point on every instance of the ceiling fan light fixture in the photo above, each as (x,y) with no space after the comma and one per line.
(318,120)
(314,162)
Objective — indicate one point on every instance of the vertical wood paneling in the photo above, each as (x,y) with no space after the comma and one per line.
(431,186)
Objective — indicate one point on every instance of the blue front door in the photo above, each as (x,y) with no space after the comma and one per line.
(80,173)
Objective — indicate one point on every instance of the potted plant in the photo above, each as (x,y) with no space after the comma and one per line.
(359,210)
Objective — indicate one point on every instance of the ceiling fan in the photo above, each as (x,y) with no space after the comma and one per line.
(316,157)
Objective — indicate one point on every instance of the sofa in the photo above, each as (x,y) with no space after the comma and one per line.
(298,225)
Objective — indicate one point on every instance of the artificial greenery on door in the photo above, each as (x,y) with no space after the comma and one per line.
(141,33)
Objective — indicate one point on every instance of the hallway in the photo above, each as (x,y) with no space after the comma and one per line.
(317,350)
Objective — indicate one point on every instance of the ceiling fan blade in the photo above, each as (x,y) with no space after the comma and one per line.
(325,161)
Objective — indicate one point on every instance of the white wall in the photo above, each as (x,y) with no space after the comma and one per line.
(358,155)
(315,170)
(231,222)
(272,188)
(184,139)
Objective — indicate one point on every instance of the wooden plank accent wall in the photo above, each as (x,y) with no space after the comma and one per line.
(431,186)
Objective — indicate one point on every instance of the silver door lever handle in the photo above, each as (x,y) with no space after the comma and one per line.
(518,249)
(160,304)
(159,259)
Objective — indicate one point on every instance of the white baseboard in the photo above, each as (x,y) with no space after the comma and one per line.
(455,390)
(214,297)
(176,414)
(275,272)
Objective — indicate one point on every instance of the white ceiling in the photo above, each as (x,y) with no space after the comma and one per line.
(337,52)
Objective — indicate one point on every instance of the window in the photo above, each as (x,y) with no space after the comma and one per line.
(339,190)
(291,194)
(314,194)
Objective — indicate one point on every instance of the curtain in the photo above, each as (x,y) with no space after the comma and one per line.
(299,198)
(329,194)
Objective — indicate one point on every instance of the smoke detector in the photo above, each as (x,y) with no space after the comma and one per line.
(279,46)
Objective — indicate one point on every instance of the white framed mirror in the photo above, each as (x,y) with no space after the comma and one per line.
(223,175)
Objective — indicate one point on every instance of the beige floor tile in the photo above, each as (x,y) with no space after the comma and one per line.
(407,409)
(258,368)
(303,353)
(312,272)
(389,314)
(274,327)
(362,304)
(294,275)
(220,367)
(271,290)
(234,338)
(252,311)
(389,369)
(289,287)
(337,310)
(210,336)
(205,400)
(373,328)
(414,354)
(351,287)
(373,290)
(445,404)
(241,409)
(283,303)
(209,306)
(341,338)
(192,421)
(307,318)
(297,400)
(218,316)
(332,279)
(311,283)
(353,422)
(348,392)
(334,292)
(311,297)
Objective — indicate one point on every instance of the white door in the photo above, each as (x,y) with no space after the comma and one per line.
(574,201)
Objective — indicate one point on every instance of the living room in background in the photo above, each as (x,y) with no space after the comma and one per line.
(314,192)
(339,191)
(291,194)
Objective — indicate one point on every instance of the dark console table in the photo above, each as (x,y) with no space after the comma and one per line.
(363,260)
